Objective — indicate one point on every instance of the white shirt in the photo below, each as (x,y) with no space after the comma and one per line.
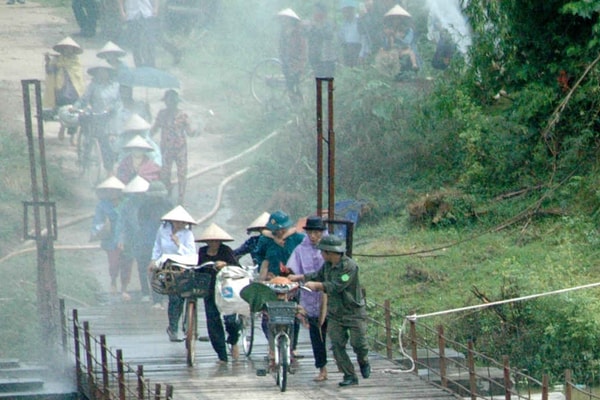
(135,9)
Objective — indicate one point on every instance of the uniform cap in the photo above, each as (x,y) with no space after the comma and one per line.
(288,12)
(136,123)
(111,48)
(137,185)
(332,243)
(214,232)
(397,11)
(138,142)
(111,183)
(179,214)
(278,220)
(67,42)
(259,223)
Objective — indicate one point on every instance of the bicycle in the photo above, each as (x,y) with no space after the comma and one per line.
(92,133)
(179,275)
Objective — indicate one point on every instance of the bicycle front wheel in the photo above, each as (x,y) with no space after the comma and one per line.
(191,332)
(247,333)
(284,362)
(268,84)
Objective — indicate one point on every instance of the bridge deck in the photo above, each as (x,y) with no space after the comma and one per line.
(139,332)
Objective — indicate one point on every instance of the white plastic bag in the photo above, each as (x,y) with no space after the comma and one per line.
(230,281)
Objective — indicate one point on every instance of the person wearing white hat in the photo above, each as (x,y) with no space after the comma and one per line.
(138,161)
(134,126)
(250,245)
(104,224)
(352,35)
(215,250)
(292,52)
(400,39)
(174,236)
(64,83)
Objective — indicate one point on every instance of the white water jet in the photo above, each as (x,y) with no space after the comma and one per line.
(450,16)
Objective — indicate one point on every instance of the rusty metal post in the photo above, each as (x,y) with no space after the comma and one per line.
(157,391)
(545,386)
(89,359)
(330,151)
(140,381)
(319,106)
(47,291)
(388,330)
(121,375)
(169,392)
(472,375)
(413,344)
(442,351)
(77,349)
(63,324)
(507,382)
(568,383)
(105,372)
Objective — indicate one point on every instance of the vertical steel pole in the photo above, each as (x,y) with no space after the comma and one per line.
(331,151)
(319,82)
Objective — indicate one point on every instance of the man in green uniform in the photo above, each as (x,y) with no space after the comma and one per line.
(345,306)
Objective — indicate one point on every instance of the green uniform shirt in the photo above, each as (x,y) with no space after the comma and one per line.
(345,300)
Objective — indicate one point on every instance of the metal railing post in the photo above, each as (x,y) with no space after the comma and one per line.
(169,392)
(388,330)
(104,358)
(442,351)
(89,360)
(157,391)
(545,386)
(121,375)
(568,387)
(413,344)
(506,372)
(76,343)
(140,381)
(472,377)
(63,324)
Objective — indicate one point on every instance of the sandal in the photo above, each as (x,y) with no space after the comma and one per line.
(321,377)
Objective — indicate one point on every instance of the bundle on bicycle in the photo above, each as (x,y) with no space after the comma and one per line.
(272,298)
(179,274)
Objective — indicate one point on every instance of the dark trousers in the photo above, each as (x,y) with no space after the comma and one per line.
(350,53)
(174,310)
(317,340)
(214,324)
(340,332)
(86,14)
(141,39)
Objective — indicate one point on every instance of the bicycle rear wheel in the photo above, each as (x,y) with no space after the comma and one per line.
(268,84)
(247,333)
(191,332)
(284,362)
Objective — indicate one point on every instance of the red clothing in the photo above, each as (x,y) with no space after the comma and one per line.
(173,127)
(148,169)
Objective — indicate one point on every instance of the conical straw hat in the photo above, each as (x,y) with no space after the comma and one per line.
(136,123)
(68,42)
(103,64)
(137,185)
(288,12)
(111,183)
(397,11)
(214,232)
(259,223)
(138,142)
(111,48)
(179,214)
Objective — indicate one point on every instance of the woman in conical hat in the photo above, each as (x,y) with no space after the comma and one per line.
(249,246)
(64,82)
(174,236)
(133,126)
(222,255)
(138,161)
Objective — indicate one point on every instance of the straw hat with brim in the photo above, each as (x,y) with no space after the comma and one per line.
(214,232)
(111,49)
(138,142)
(136,123)
(288,12)
(397,11)
(67,43)
(179,214)
(259,223)
(137,185)
(102,65)
(111,183)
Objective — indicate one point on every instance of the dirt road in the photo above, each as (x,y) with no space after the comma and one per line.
(27,32)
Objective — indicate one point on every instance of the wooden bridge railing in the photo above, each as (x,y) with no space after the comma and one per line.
(103,374)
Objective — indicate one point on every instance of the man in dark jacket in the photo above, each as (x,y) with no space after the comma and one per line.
(345,306)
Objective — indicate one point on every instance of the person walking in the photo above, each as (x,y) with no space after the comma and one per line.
(250,245)
(86,15)
(292,52)
(174,236)
(174,126)
(306,258)
(346,313)
(138,161)
(215,250)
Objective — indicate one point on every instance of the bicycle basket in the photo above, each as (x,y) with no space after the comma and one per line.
(195,283)
(173,279)
(281,312)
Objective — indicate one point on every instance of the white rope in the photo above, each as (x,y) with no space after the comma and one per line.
(414,317)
